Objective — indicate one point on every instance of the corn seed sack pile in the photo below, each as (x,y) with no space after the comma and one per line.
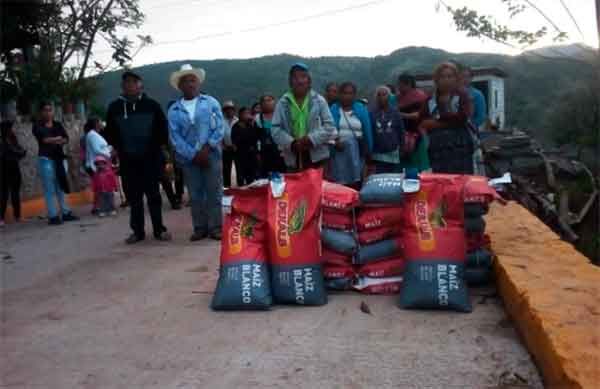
(244,273)
(382,189)
(294,210)
(338,236)
(379,262)
(478,197)
(435,247)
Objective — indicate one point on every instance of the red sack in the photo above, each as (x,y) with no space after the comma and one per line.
(294,209)
(371,218)
(338,220)
(386,286)
(244,281)
(435,220)
(339,197)
(478,241)
(383,269)
(333,272)
(378,234)
(477,190)
(330,257)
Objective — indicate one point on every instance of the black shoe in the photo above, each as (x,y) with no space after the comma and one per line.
(176,206)
(216,235)
(133,239)
(69,217)
(55,221)
(164,236)
(197,236)
(124,204)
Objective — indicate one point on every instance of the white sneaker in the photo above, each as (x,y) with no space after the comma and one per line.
(102,214)
(113,213)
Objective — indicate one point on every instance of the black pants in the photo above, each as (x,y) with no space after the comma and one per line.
(10,184)
(246,166)
(173,190)
(271,161)
(139,179)
(228,161)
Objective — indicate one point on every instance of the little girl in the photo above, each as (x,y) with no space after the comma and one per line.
(105,185)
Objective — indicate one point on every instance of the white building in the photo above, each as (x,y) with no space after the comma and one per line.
(490,81)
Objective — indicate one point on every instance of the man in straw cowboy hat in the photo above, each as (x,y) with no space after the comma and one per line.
(302,124)
(196,130)
(137,128)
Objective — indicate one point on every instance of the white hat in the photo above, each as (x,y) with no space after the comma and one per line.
(186,70)
(228,104)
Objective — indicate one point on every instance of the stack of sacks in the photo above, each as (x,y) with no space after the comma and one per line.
(379,263)
(435,246)
(338,235)
(270,251)
(478,197)
(293,219)
(244,276)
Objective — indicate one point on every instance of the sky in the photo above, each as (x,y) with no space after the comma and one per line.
(211,29)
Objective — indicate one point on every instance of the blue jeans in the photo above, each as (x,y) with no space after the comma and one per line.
(52,188)
(205,187)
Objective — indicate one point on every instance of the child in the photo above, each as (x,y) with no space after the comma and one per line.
(244,136)
(105,185)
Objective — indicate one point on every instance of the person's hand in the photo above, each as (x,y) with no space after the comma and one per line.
(201,158)
(296,146)
(428,124)
(339,145)
(304,144)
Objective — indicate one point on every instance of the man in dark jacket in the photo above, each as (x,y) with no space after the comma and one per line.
(137,128)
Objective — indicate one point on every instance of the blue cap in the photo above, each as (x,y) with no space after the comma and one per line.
(299,66)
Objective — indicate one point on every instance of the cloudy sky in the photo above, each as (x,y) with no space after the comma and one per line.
(209,29)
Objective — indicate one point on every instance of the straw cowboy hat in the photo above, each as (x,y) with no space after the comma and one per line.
(186,70)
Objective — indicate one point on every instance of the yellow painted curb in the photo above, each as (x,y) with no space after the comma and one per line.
(37,207)
(552,293)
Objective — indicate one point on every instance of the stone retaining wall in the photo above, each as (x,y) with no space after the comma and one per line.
(32,186)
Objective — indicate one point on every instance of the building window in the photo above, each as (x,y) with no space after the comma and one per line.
(496,99)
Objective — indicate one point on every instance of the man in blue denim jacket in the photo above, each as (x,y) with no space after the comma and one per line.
(196,132)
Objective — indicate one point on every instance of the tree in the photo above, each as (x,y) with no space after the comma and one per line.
(475,24)
(76,26)
(576,120)
(61,36)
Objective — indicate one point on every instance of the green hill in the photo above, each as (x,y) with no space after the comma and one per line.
(533,87)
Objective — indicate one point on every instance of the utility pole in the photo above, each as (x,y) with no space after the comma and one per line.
(598,21)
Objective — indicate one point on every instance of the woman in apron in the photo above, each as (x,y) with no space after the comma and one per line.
(446,120)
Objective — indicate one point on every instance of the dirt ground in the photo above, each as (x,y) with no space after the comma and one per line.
(80,309)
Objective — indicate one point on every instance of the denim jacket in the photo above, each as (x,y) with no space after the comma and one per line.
(188,138)
(321,129)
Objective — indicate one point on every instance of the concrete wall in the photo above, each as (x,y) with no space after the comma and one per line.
(497,111)
(32,186)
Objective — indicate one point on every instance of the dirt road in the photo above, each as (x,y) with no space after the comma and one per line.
(82,310)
